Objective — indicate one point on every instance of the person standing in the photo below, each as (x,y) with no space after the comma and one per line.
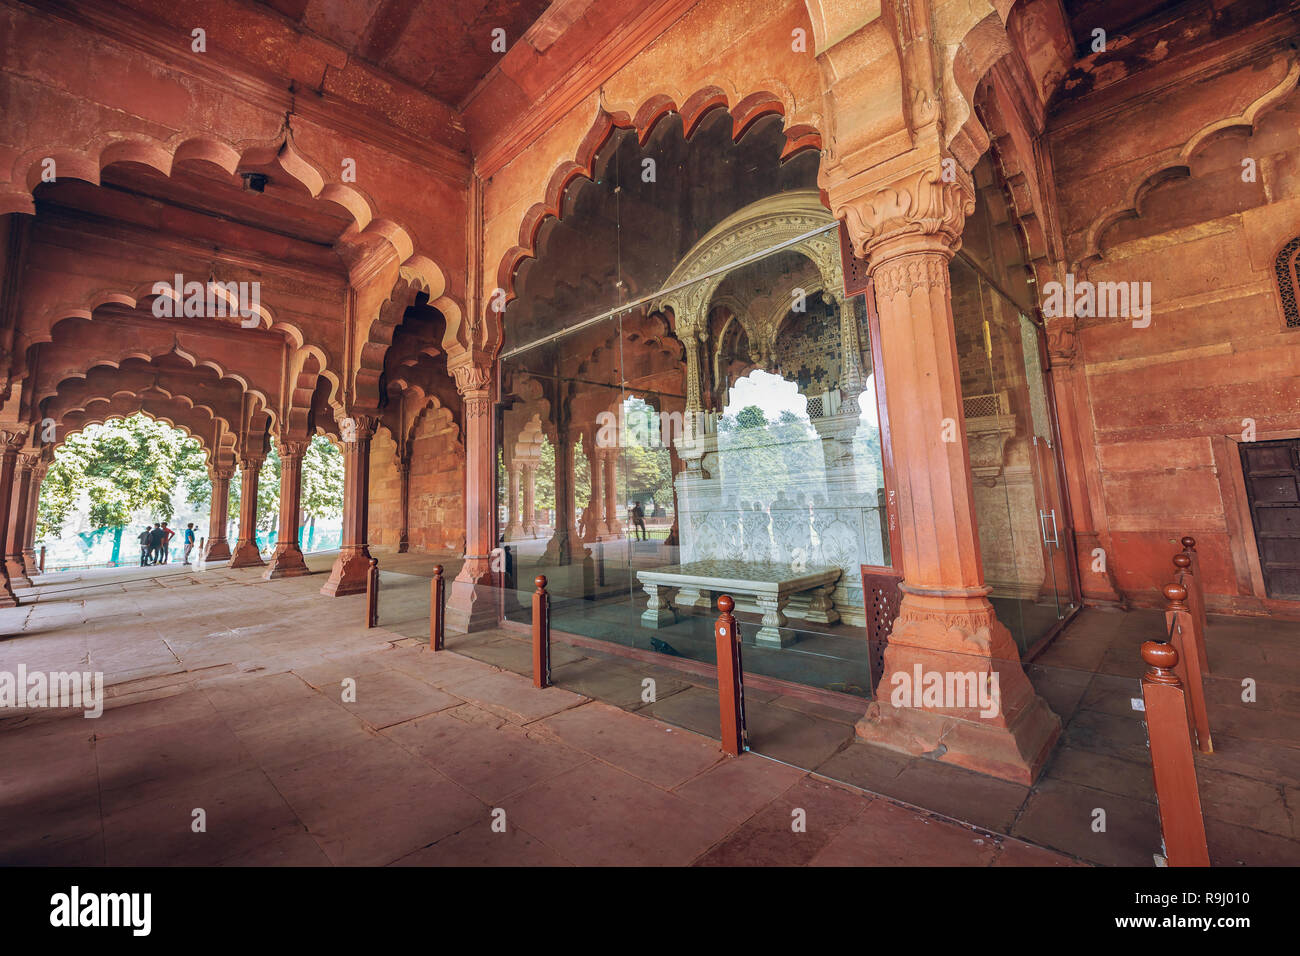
(189,541)
(168,534)
(638,521)
(155,543)
(144,546)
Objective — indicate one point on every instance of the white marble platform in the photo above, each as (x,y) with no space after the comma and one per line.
(770,585)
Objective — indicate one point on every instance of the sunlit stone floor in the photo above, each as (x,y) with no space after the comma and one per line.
(226,696)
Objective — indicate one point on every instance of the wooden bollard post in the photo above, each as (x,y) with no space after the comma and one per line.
(1181,629)
(372,594)
(42,559)
(1182,829)
(1195,603)
(731,688)
(436,629)
(1198,582)
(541,634)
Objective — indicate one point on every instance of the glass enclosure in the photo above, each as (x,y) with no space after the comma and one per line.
(688,407)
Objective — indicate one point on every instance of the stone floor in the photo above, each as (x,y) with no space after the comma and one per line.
(226,696)
(1250,785)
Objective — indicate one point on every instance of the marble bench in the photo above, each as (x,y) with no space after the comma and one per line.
(774,589)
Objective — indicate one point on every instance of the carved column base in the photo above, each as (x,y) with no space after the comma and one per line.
(246,556)
(286,562)
(936,696)
(7,596)
(472,603)
(403,544)
(561,548)
(348,575)
(218,550)
(30,564)
(17,573)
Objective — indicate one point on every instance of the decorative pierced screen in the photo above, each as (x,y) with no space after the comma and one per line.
(983,406)
(1288,282)
(881,597)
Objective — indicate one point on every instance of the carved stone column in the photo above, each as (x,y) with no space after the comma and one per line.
(246,553)
(12,438)
(286,560)
(946,629)
(33,508)
(599,526)
(348,575)
(470,606)
(530,494)
(404,484)
(18,513)
(514,522)
(218,546)
(613,527)
(594,516)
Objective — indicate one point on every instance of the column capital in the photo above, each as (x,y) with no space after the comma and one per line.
(294,448)
(923,209)
(251,462)
(13,437)
(221,473)
(473,380)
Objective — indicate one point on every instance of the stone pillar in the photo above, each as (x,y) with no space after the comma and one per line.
(560,549)
(613,527)
(470,606)
(12,438)
(946,627)
(286,560)
(30,563)
(530,491)
(598,526)
(348,575)
(404,484)
(514,523)
(246,554)
(18,512)
(218,546)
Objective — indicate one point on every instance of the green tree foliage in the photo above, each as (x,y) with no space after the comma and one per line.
(760,458)
(122,466)
(322,479)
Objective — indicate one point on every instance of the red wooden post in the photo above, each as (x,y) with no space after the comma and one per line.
(372,594)
(1182,828)
(731,688)
(1198,596)
(1186,576)
(1181,629)
(437,632)
(541,634)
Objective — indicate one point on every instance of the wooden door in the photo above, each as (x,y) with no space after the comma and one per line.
(1272,471)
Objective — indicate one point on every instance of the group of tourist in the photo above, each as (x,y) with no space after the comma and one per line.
(156,543)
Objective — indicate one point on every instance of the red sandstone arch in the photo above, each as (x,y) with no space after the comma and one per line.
(88,161)
(142,296)
(114,358)
(745,111)
(175,414)
(1175,163)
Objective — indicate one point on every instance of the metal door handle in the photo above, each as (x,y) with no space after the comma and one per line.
(1043,516)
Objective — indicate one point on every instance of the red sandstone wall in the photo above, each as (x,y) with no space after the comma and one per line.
(437,509)
(1167,403)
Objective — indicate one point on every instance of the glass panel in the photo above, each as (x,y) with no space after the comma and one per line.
(991,429)
(1022,521)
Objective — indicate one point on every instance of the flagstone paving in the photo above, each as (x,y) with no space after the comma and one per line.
(230,736)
